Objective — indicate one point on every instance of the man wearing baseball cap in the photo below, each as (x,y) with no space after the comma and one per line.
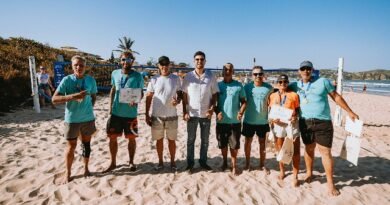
(163,93)
(315,121)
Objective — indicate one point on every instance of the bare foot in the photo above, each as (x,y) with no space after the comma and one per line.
(281,175)
(309,178)
(236,171)
(295,182)
(224,166)
(248,167)
(133,168)
(266,171)
(110,168)
(333,191)
(87,173)
(65,178)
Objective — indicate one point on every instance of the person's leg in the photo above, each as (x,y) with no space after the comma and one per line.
(160,147)
(248,146)
(221,134)
(48,93)
(327,162)
(204,143)
(296,160)
(279,144)
(309,159)
(233,153)
(262,155)
(113,145)
(172,152)
(69,156)
(224,156)
(131,148)
(171,133)
(192,125)
(86,146)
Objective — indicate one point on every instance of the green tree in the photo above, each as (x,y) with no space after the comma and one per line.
(112,58)
(125,45)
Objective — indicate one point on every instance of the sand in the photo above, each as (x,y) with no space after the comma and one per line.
(32,157)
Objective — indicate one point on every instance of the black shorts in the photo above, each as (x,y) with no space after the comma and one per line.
(249,130)
(228,134)
(117,125)
(319,131)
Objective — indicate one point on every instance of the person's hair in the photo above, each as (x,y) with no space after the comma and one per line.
(77,57)
(258,67)
(127,54)
(226,65)
(200,53)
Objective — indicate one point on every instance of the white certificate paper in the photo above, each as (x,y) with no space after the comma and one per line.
(129,95)
(281,113)
(354,127)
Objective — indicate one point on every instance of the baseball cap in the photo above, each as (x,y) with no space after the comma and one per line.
(282,77)
(163,60)
(306,64)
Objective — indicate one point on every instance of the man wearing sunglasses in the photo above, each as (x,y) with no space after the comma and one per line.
(256,115)
(315,121)
(165,92)
(123,117)
(199,97)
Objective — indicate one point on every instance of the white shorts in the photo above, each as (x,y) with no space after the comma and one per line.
(164,127)
(290,130)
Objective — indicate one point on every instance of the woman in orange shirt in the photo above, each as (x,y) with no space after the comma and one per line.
(287,99)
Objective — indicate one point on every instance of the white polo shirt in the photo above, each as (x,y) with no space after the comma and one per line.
(164,88)
(200,90)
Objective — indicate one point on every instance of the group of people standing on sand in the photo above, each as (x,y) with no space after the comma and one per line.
(240,110)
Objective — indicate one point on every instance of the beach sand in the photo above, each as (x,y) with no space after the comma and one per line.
(32,157)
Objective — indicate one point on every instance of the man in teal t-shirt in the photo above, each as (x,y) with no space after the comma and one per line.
(123,117)
(78,91)
(229,113)
(256,115)
(315,122)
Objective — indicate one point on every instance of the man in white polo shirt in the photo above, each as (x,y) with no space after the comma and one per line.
(200,90)
(165,92)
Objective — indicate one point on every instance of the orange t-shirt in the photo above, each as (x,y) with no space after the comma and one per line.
(291,101)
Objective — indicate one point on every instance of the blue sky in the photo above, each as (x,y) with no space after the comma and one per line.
(278,33)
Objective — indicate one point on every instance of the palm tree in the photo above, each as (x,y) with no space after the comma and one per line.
(125,45)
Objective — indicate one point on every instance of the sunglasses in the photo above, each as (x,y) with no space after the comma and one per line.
(127,60)
(199,59)
(258,74)
(283,82)
(164,64)
(305,68)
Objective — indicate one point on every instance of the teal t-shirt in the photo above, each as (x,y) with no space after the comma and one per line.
(229,98)
(76,112)
(257,103)
(313,98)
(134,80)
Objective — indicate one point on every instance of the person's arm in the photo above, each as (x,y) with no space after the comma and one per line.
(59,98)
(149,97)
(50,84)
(112,95)
(212,105)
(93,96)
(341,102)
(186,115)
(242,109)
